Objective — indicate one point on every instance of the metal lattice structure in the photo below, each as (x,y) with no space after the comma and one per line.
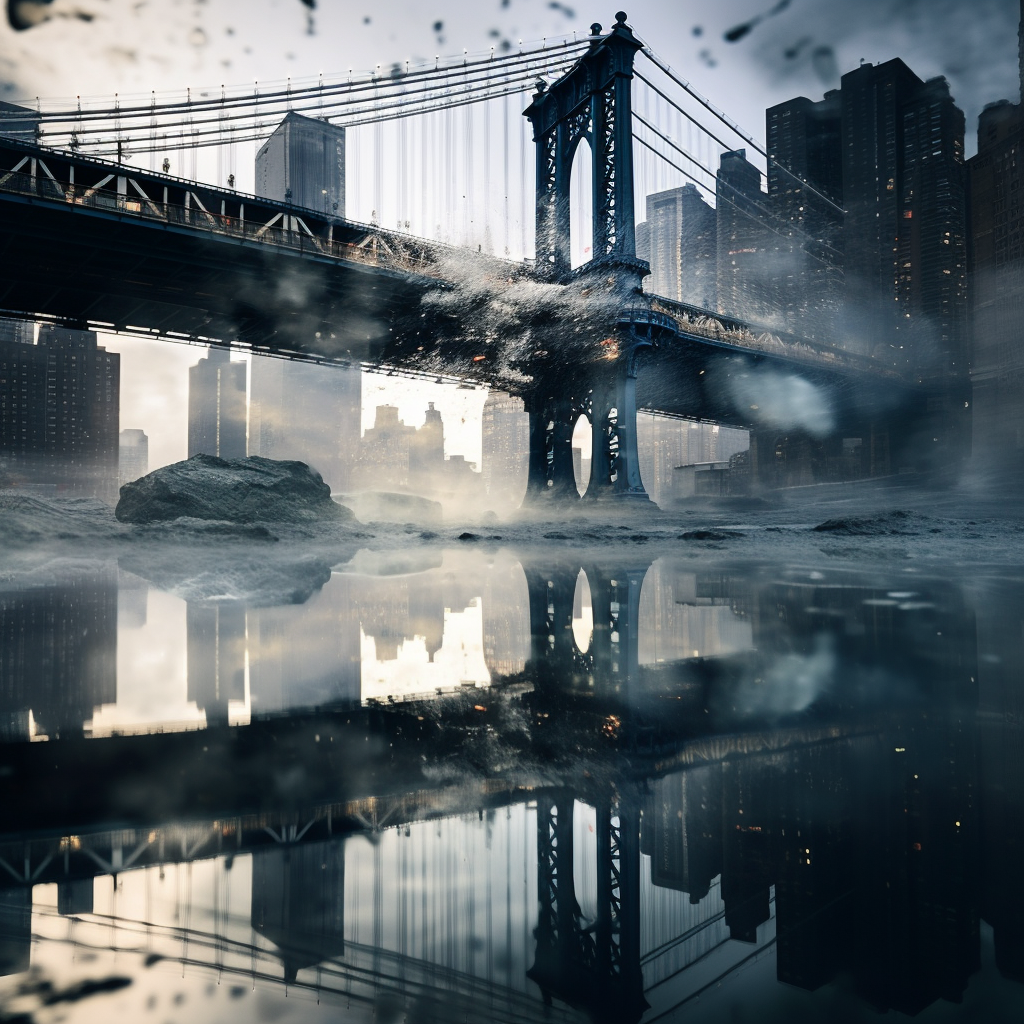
(591,102)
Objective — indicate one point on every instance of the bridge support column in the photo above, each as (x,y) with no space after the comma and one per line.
(551,474)
(615,469)
(618,922)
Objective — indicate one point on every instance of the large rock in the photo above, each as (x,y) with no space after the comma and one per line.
(230,490)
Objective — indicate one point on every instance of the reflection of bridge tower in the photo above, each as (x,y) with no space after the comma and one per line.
(592,104)
(594,966)
(615,648)
(554,658)
(611,662)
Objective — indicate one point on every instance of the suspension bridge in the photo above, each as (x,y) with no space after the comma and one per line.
(484,277)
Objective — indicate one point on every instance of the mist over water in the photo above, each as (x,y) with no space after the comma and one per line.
(782,400)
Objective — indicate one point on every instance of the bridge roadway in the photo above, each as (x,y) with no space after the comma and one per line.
(92,244)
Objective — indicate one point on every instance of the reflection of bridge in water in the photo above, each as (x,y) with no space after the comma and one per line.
(612,832)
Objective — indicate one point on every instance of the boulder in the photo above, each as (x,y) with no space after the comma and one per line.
(230,490)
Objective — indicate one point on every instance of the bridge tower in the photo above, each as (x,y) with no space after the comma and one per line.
(591,102)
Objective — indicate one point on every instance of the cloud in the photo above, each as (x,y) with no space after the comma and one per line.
(972,44)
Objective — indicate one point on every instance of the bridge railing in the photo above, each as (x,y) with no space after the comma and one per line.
(376,248)
(759,338)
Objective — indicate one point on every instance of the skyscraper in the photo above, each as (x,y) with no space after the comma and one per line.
(307,412)
(302,411)
(17,122)
(59,409)
(303,163)
(505,449)
(215,657)
(216,406)
(905,230)
(133,455)
(643,241)
(743,278)
(996,266)
(58,653)
(396,456)
(298,902)
(805,189)
(682,246)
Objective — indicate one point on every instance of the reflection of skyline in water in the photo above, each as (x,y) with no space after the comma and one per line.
(357,638)
(814,778)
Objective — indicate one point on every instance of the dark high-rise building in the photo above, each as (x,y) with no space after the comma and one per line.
(505,449)
(682,246)
(133,455)
(216,406)
(996,267)
(905,226)
(683,830)
(303,163)
(743,278)
(59,408)
(307,412)
(58,655)
(298,902)
(805,188)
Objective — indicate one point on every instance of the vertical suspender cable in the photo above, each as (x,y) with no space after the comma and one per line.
(403,175)
(504,180)
(524,189)
(487,175)
(468,223)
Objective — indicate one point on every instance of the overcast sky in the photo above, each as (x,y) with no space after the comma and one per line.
(779,49)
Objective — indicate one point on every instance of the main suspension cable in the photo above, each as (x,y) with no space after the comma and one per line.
(726,121)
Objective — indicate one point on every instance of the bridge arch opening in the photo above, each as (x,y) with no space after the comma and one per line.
(582,442)
(582,614)
(581,205)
